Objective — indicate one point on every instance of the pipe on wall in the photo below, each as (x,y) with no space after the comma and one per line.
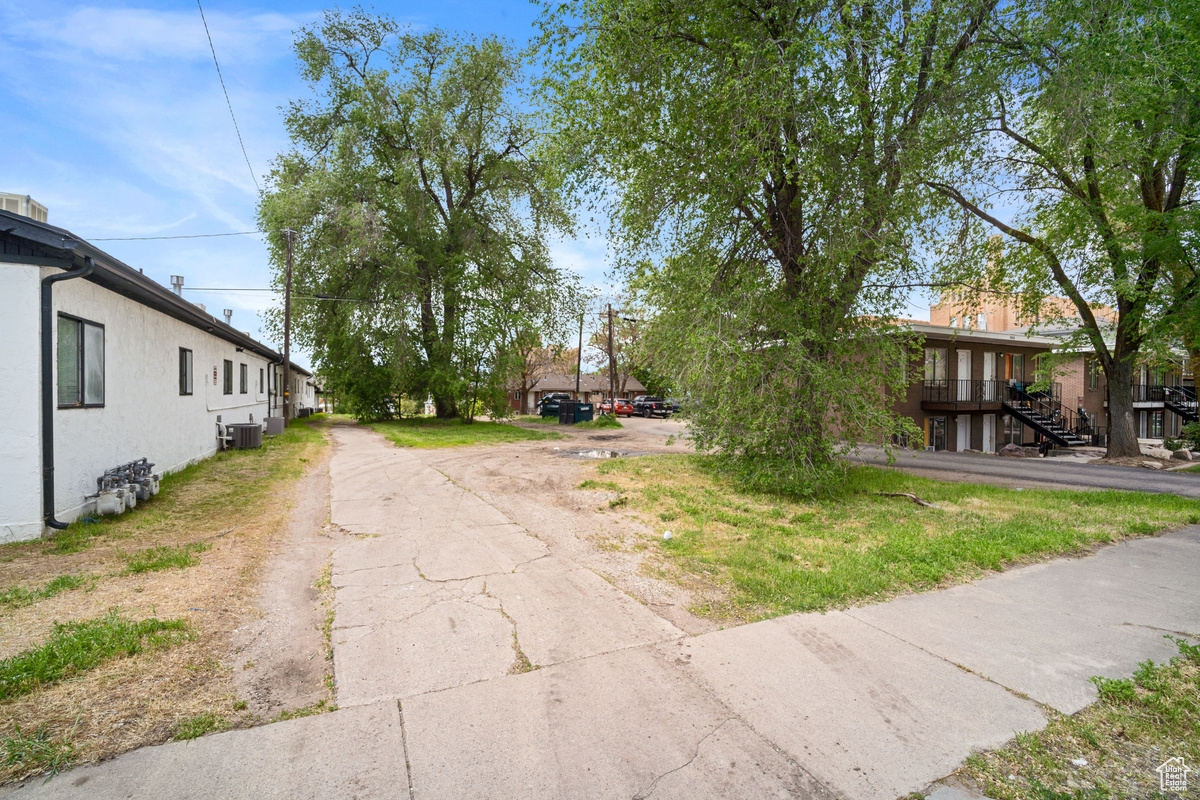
(48,393)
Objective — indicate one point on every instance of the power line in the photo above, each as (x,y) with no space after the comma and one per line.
(183,236)
(227,101)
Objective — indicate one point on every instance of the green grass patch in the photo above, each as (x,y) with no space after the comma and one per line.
(197,495)
(774,555)
(197,726)
(36,753)
(76,647)
(601,422)
(1135,725)
(16,596)
(430,432)
(536,419)
(1190,469)
(319,707)
(155,559)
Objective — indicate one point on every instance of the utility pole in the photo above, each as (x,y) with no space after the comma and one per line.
(612,366)
(287,332)
(579,357)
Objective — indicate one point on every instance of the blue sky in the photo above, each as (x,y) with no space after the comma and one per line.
(114,118)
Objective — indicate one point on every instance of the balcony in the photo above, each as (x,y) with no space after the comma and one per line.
(1145,393)
(963,395)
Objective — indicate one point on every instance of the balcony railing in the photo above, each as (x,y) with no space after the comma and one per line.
(1145,393)
(964,394)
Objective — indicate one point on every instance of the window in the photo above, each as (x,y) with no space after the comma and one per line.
(1156,420)
(260,381)
(80,363)
(1093,373)
(227,387)
(982,320)
(936,433)
(935,363)
(1018,367)
(243,379)
(185,371)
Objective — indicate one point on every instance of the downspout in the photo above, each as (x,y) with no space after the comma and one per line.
(48,393)
(270,380)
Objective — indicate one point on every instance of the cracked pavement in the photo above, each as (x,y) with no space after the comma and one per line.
(474,659)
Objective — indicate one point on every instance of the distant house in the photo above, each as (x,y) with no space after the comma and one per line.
(593,388)
(103,366)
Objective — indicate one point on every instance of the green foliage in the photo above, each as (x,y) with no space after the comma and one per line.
(763,170)
(155,559)
(776,554)
(16,596)
(599,422)
(76,647)
(36,753)
(417,201)
(430,432)
(197,726)
(1191,435)
(1137,723)
(1091,133)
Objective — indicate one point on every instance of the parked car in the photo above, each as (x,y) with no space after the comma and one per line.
(624,407)
(648,405)
(548,405)
(675,404)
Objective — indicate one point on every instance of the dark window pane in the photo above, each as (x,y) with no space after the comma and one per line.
(243,378)
(185,371)
(93,365)
(68,362)
(227,387)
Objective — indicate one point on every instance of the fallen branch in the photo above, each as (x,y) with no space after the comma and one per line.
(912,497)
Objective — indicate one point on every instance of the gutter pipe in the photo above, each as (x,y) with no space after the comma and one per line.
(48,386)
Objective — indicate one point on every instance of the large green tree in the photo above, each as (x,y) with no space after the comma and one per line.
(766,157)
(1085,162)
(413,190)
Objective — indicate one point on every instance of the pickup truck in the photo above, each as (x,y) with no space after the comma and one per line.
(548,405)
(650,406)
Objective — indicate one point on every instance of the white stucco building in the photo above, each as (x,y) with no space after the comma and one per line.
(102,366)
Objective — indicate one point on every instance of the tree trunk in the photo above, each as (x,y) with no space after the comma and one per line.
(1122,425)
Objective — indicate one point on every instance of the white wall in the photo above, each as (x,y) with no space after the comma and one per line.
(20,415)
(143,414)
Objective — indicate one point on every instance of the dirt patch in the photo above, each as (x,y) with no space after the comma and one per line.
(279,659)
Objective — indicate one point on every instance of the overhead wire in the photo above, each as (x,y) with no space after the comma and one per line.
(232,116)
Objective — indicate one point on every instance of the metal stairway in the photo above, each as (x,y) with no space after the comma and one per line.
(1046,415)
(1182,401)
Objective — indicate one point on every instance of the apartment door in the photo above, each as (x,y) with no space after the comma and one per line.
(935,435)
(964,375)
(963,440)
(989,380)
(989,430)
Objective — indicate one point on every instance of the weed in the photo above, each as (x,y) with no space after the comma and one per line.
(167,557)
(319,707)
(16,596)
(603,485)
(1109,749)
(197,726)
(37,753)
(239,705)
(76,647)
(601,422)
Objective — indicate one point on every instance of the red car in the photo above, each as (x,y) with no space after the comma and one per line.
(624,408)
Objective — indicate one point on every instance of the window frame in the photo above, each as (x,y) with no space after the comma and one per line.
(243,378)
(227,376)
(187,380)
(80,364)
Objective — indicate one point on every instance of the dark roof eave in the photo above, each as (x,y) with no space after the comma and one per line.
(117,276)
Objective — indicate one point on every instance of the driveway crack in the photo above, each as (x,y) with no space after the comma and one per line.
(649,790)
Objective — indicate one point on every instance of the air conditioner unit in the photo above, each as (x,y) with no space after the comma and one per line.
(246,435)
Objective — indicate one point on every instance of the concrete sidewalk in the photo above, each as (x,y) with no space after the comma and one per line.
(445,607)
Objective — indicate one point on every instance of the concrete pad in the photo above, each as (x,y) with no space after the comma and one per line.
(1045,630)
(384,551)
(563,612)
(447,644)
(619,725)
(301,758)
(869,716)
(360,605)
(456,555)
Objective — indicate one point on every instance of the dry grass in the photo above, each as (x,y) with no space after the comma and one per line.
(235,503)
